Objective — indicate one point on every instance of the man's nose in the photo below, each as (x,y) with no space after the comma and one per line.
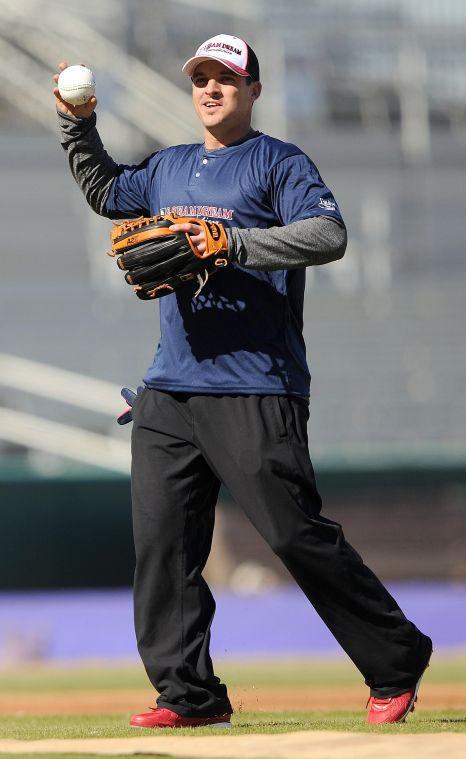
(212,86)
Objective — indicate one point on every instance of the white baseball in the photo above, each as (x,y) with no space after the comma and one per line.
(76,84)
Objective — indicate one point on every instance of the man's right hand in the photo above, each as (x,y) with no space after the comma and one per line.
(80,111)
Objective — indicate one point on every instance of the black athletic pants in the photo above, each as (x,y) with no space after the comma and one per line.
(183,447)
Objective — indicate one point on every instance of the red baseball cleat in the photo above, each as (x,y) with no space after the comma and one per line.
(395,709)
(166,718)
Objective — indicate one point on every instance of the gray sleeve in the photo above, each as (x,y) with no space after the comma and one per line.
(309,242)
(93,169)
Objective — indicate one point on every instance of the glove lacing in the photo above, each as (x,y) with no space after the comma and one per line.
(202,282)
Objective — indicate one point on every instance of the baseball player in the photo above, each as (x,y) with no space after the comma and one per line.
(226,399)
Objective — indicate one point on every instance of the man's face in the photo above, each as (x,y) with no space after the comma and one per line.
(221,97)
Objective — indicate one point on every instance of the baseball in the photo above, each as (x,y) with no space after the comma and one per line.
(76,85)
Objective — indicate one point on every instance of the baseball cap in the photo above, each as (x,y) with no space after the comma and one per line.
(233,52)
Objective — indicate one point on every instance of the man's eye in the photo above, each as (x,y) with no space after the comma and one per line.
(202,81)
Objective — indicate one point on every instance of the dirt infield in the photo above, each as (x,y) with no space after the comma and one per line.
(434,696)
(302,745)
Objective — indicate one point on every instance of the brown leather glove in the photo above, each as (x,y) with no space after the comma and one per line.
(158,261)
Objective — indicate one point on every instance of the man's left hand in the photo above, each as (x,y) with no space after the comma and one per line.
(196,233)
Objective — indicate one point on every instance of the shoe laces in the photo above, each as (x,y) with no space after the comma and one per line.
(380,701)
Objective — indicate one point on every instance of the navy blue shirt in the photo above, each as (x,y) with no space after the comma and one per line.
(243,332)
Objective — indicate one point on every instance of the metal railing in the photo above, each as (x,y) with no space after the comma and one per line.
(33,42)
(64,440)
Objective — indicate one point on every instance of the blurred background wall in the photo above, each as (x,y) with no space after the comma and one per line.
(375,92)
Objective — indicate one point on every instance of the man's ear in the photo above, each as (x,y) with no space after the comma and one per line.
(256,89)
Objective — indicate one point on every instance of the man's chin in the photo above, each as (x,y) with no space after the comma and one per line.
(216,119)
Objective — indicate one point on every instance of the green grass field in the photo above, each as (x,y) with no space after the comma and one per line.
(267,672)
(116,725)
(68,682)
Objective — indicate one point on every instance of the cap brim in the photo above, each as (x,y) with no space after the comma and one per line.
(190,65)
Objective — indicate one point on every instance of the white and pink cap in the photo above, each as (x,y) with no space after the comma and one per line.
(232,52)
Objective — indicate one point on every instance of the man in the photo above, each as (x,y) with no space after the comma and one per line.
(226,398)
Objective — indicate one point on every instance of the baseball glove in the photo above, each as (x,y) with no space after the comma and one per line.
(158,261)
